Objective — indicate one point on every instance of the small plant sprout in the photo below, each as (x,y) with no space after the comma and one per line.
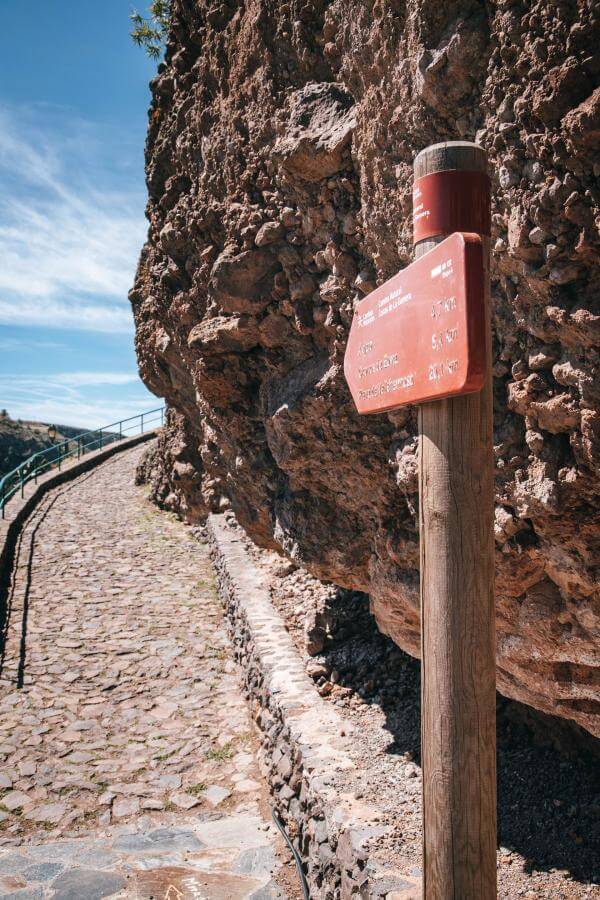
(151,32)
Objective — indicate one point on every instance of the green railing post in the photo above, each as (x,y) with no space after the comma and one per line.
(54,455)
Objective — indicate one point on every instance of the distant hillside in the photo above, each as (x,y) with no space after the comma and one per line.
(19,439)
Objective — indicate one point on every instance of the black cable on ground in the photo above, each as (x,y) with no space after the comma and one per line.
(297,859)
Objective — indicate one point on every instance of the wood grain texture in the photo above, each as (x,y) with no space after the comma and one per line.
(457,618)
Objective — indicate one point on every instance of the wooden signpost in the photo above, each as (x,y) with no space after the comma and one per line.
(425,337)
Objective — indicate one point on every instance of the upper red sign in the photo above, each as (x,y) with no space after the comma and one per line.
(421,335)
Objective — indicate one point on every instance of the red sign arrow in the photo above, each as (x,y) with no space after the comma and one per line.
(421,335)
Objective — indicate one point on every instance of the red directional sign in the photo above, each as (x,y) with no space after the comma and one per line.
(421,335)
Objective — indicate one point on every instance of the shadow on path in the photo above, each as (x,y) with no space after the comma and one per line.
(24,546)
(548,768)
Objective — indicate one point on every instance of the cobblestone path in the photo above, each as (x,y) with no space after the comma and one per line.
(127,755)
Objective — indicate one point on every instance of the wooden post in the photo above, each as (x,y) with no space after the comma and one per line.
(458,717)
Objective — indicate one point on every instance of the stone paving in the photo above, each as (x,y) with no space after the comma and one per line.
(127,754)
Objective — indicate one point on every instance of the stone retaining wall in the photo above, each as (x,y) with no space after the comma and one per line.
(304,752)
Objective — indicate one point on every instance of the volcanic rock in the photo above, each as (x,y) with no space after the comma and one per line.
(279,163)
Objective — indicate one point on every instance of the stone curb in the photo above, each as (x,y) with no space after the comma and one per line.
(20,508)
(305,741)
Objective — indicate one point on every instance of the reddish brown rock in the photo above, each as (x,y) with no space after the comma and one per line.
(317,132)
(279,165)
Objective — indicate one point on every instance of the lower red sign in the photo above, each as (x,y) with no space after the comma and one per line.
(421,335)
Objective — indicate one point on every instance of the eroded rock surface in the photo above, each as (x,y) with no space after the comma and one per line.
(279,167)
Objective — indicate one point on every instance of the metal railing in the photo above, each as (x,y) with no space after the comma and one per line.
(55,456)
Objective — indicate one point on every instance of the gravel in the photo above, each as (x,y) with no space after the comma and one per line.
(548,769)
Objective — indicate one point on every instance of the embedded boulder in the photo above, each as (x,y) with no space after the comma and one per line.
(242,282)
(318,131)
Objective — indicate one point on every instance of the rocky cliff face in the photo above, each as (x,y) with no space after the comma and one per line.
(279,167)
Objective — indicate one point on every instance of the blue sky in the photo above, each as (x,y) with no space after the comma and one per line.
(73,103)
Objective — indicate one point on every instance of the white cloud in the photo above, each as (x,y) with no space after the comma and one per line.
(13,343)
(70,234)
(70,314)
(81,379)
(71,398)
